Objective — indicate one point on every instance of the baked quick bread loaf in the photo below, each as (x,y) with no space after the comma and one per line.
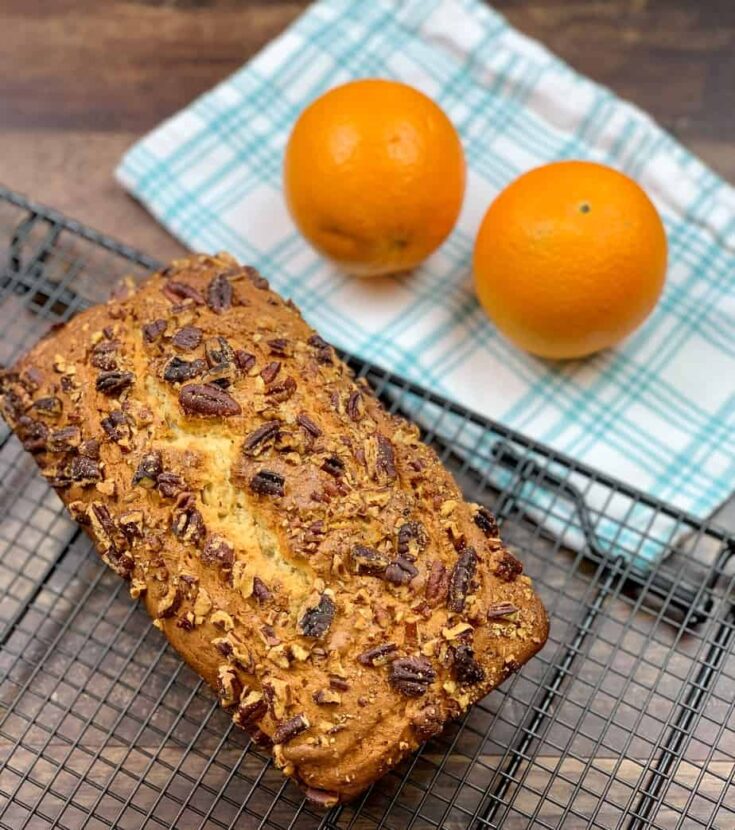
(298,546)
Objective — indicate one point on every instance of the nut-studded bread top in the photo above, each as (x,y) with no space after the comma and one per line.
(298,546)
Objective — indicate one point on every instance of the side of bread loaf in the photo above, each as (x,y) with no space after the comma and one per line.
(299,547)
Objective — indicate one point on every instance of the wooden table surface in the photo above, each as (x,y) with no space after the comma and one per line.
(81,80)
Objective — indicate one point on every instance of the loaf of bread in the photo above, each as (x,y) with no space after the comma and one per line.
(298,546)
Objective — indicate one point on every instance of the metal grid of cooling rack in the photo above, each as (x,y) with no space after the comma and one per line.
(626,719)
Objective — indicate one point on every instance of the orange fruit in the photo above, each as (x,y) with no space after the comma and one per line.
(374,176)
(570,258)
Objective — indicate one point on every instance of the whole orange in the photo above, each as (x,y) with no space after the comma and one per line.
(570,258)
(374,176)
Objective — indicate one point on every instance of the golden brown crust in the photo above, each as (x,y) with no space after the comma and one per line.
(298,546)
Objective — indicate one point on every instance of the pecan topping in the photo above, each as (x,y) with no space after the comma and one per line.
(367,560)
(104,355)
(244,360)
(90,448)
(270,370)
(355,406)
(323,349)
(187,338)
(64,439)
(466,669)
(428,722)
(401,571)
(486,522)
(228,686)
(287,730)
(508,568)
(260,590)
(85,471)
(378,655)
(170,485)
(386,462)
(308,425)
(219,294)
(112,383)
(498,610)
(49,407)
(411,676)
(265,434)
(177,291)
(208,400)
(317,620)
(412,539)
(218,352)
(279,346)
(116,426)
(338,683)
(267,483)
(170,603)
(326,697)
(251,709)
(334,466)
(33,434)
(131,524)
(282,391)
(149,469)
(437,585)
(152,331)
(323,799)
(187,523)
(459,582)
(178,370)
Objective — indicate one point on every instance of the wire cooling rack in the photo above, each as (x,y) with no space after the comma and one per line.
(626,719)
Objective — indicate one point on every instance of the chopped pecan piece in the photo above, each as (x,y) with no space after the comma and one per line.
(282,391)
(32,434)
(323,351)
(90,448)
(244,360)
(177,291)
(64,439)
(466,669)
(261,591)
(334,466)
(316,621)
(170,603)
(112,383)
(187,338)
(411,676)
(338,683)
(355,406)
(428,722)
(152,331)
(48,407)
(218,551)
(259,438)
(498,610)
(228,686)
(486,522)
(366,560)
(178,370)
(279,346)
(461,578)
(170,485)
(386,462)
(104,355)
(268,483)
(218,352)
(148,471)
(308,425)
(323,799)
(251,709)
(219,294)
(327,697)
(401,571)
(116,426)
(508,568)
(85,471)
(131,524)
(208,400)
(412,539)
(287,730)
(187,523)
(377,655)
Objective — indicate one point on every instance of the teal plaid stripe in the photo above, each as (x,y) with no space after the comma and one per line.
(659,411)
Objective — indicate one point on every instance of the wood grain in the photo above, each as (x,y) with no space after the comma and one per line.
(81,80)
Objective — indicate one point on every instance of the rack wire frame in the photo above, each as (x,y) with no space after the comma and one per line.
(626,719)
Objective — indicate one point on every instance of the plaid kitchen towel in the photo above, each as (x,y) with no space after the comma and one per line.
(658,411)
